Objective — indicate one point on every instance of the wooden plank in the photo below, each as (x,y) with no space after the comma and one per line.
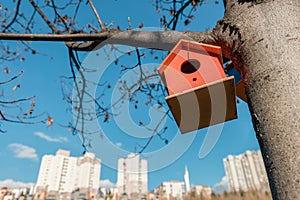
(240,91)
(204,106)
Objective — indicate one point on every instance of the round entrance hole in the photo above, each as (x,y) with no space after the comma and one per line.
(190,66)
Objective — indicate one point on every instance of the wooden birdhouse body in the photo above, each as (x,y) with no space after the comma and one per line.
(204,58)
(195,79)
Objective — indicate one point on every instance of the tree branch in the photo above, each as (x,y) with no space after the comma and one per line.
(156,40)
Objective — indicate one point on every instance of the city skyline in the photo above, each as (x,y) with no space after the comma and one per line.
(61,154)
(132,160)
(105,182)
(62,176)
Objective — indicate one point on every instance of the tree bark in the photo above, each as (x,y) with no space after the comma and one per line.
(263,39)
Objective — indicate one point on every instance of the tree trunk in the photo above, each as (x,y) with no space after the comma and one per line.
(263,39)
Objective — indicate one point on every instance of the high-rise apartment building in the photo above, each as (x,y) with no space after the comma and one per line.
(132,177)
(173,188)
(246,171)
(202,191)
(63,173)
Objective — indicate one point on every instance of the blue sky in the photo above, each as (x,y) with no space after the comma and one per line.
(23,146)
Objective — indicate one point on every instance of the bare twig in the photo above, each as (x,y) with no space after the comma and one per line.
(176,16)
(52,27)
(97,15)
(17,100)
(12,78)
(15,16)
(154,132)
(80,92)
(18,121)
(56,13)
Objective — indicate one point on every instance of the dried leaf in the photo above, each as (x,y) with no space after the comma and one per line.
(195,2)
(152,85)
(107,117)
(50,120)
(187,22)
(16,86)
(116,61)
(6,70)
(172,12)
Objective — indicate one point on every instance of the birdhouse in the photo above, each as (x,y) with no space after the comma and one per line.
(200,94)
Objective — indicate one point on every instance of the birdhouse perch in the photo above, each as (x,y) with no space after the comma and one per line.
(200,94)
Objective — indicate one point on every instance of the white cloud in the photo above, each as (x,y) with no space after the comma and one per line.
(49,138)
(14,184)
(23,151)
(106,183)
(222,186)
(119,144)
